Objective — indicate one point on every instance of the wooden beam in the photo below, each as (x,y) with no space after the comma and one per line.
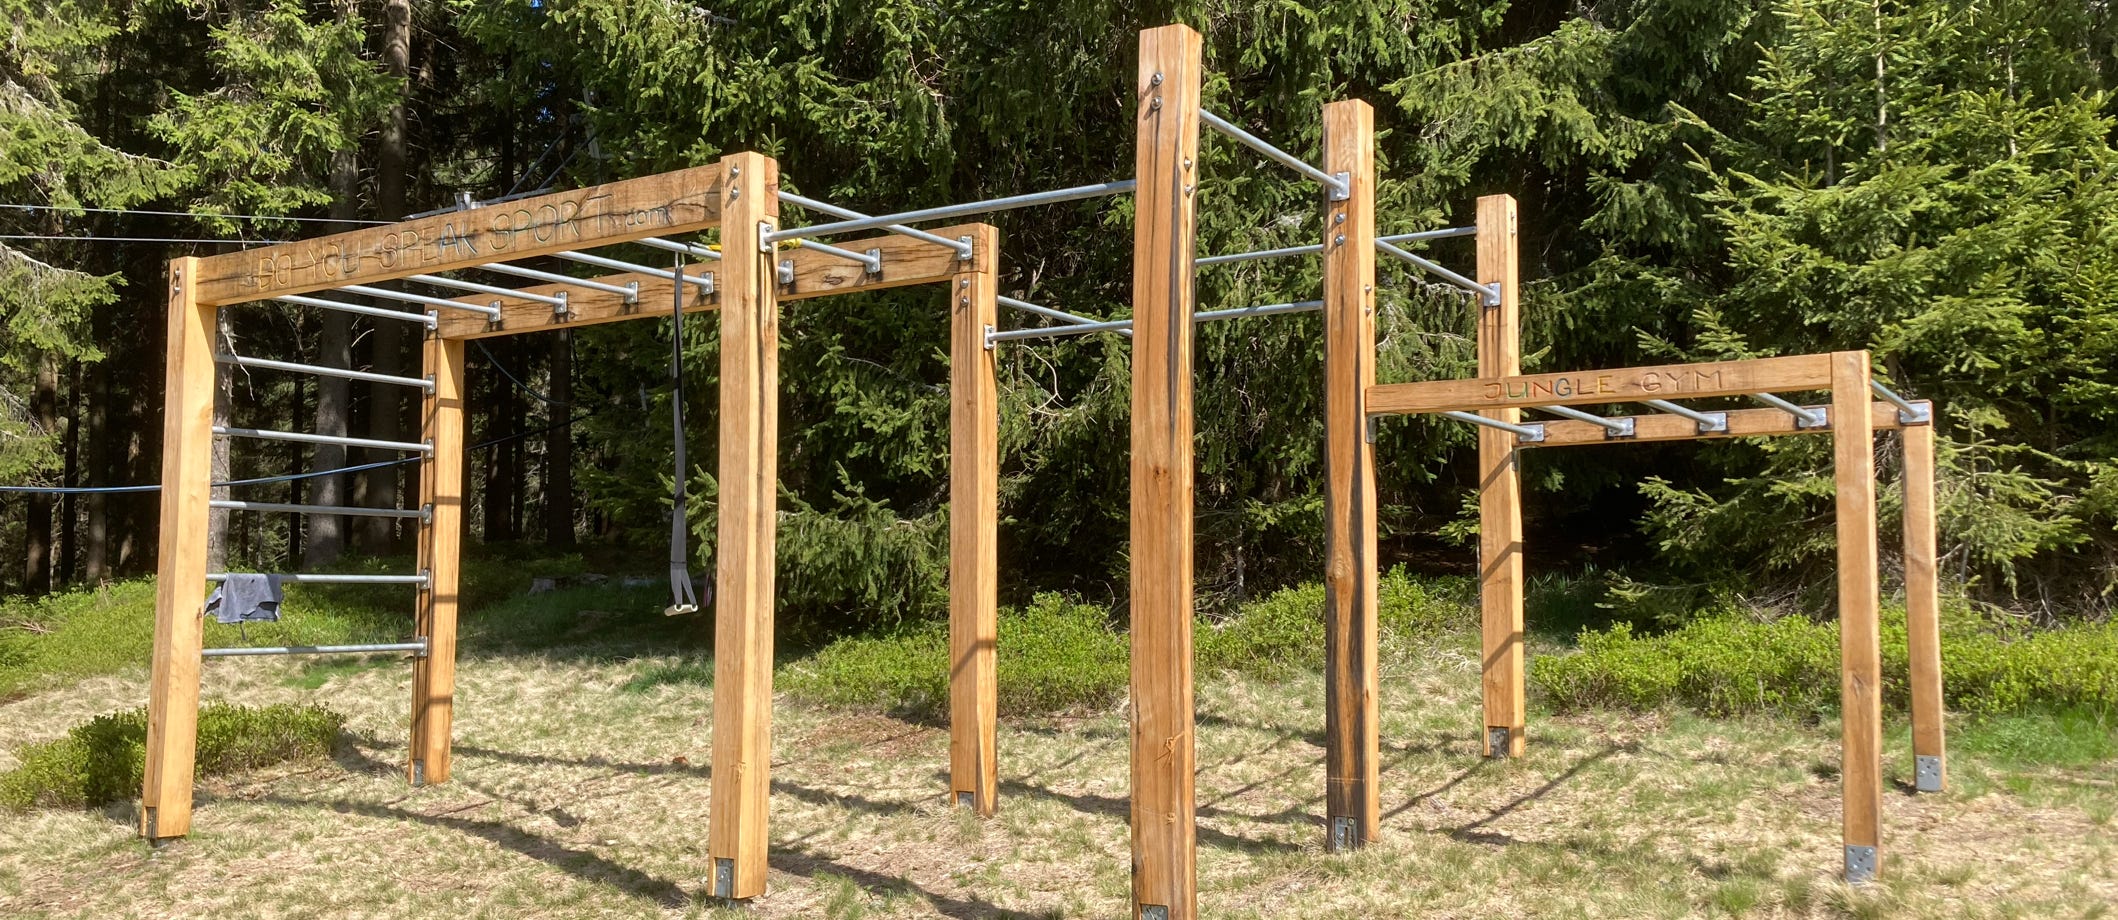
(671,202)
(1352,720)
(440,552)
(749,473)
(1500,562)
(906,261)
(187,448)
(1164,835)
(1853,453)
(1742,423)
(1923,610)
(974,511)
(1625,384)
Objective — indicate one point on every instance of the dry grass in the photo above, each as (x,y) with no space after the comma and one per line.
(575,798)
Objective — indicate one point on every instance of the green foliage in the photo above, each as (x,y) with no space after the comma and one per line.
(1729,661)
(102,760)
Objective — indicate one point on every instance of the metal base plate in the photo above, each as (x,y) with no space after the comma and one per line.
(1860,865)
(1345,834)
(966,800)
(1497,743)
(1927,772)
(1154,912)
(724,879)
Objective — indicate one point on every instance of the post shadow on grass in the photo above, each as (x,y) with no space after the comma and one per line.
(1474,832)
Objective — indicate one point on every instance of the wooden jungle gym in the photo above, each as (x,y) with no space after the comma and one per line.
(754,270)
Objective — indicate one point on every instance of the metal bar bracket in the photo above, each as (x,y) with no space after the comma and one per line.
(1496,743)
(963,254)
(1860,865)
(1343,190)
(1927,773)
(1623,431)
(786,271)
(989,336)
(1343,837)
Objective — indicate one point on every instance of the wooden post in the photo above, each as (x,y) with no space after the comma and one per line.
(1165,857)
(440,549)
(1352,725)
(1923,611)
(749,470)
(974,509)
(187,447)
(1500,486)
(1853,451)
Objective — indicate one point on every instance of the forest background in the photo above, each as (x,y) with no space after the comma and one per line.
(1934,180)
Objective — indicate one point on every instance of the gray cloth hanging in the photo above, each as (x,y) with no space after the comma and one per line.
(246,597)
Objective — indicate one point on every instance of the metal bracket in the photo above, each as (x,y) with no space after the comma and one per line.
(631,286)
(147,817)
(1154,912)
(1369,428)
(786,274)
(989,336)
(419,773)
(967,800)
(1717,423)
(1814,418)
(1860,865)
(1496,743)
(491,322)
(724,879)
(1921,414)
(764,236)
(1927,772)
(1344,189)
(705,283)
(964,254)
(876,254)
(563,309)
(1491,296)
(426,512)
(1536,436)
(1624,430)
(1344,834)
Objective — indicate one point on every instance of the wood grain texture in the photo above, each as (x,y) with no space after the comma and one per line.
(671,202)
(1352,718)
(1853,455)
(974,512)
(440,554)
(1500,562)
(1742,423)
(906,261)
(1164,759)
(1625,384)
(747,506)
(1923,596)
(187,447)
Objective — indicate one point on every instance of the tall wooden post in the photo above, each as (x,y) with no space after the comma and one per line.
(1923,611)
(749,470)
(1352,725)
(1853,453)
(187,447)
(974,510)
(440,550)
(1500,485)
(1165,867)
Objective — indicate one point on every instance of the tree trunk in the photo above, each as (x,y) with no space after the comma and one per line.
(95,555)
(44,403)
(388,406)
(69,504)
(326,539)
(559,445)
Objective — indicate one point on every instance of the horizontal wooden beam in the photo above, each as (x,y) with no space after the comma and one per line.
(906,261)
(1742,423)
(671,202)
(1626,384)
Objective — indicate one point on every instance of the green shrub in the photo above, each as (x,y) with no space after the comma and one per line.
(1728,662)
(103,760)
(1273,637)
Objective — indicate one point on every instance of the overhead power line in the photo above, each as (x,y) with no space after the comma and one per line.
(197,214)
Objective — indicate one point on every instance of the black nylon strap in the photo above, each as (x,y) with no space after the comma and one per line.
(682,599)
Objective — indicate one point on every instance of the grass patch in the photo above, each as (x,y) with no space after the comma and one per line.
(2050,737)
(103,760)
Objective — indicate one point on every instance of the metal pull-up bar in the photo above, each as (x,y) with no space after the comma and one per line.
(962,248)
(422,513)
(1803,418)
(419,648)
(422,299)
(629,292)
(1125,326)
(424,319)
(1708,422)
(1530,432)
(303,437)
(334,578)
(1060,315)
(704,280)
(943,212)
(1908,412)
(690,249)
(1488,293)
(423,383)
(1259,254)
(476,288)
(1621,427)
(1341,185)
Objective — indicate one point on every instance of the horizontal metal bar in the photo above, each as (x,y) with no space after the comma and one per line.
(1442,234)
(1254,142)
(1531,432)
(494,290)
(320,371)
(333,578)
(872,263)
(1060,315)
(1123,326)
(419,648)
(442,303)
(347,510)
(1259,254)
(424,319)
(307,438)
(1804,418)
(1299,306)
(943,212)
(556,278)
(1489,292)
(702,280)
(962,248)
(1908,412)
(692,249)
(1708,422)
(1612,425)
